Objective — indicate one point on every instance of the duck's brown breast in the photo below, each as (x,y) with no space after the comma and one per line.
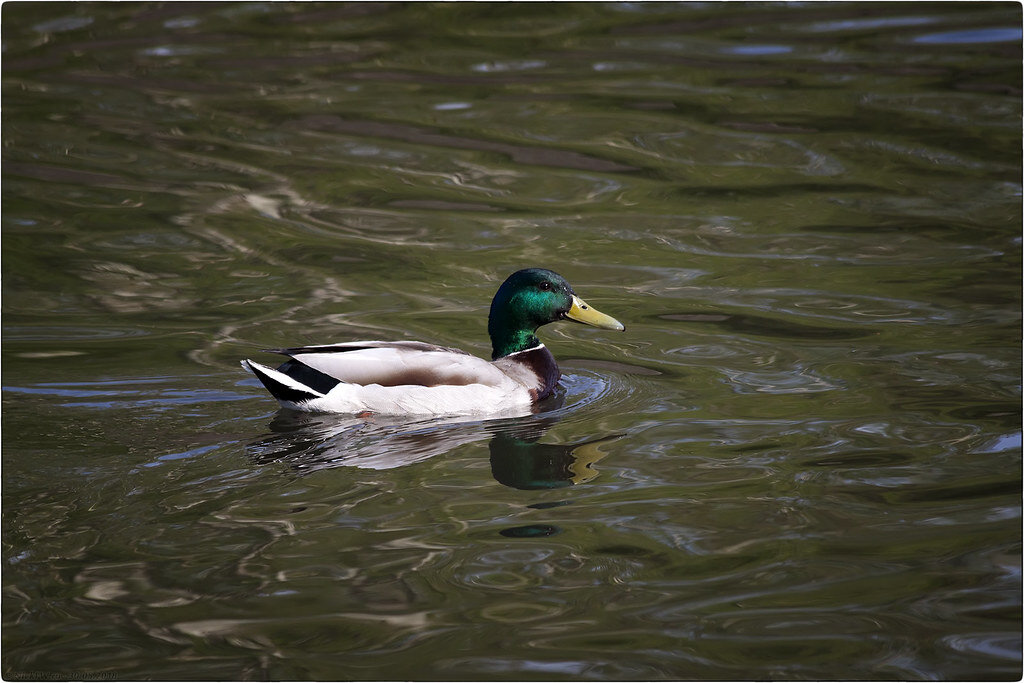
(535,368)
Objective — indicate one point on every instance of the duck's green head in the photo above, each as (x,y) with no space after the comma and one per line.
(533,297)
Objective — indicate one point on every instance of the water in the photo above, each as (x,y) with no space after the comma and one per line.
(801,461)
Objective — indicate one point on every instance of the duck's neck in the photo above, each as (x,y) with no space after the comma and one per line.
(507,340)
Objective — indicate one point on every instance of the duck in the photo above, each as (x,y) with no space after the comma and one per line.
(365,378)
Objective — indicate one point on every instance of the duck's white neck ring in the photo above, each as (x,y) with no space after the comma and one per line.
(539,345)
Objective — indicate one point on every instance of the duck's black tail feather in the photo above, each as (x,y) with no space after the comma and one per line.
(281,386)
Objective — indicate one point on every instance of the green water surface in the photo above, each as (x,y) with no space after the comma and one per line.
(800,461)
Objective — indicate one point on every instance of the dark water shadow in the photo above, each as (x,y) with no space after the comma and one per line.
(764,326)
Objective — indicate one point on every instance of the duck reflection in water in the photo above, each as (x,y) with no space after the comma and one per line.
(518,461)
(311,442)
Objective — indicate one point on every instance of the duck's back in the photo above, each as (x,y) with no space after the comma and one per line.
(391,364)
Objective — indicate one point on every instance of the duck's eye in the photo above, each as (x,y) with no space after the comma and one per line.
(545,286)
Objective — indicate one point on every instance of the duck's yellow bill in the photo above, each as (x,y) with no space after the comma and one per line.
(581,312)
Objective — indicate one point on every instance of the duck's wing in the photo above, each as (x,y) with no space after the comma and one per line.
(387,364)
(359,345)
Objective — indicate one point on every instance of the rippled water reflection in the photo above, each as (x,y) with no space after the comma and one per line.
(802,460)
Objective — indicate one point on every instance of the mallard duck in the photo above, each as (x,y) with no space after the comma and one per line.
(415,378)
